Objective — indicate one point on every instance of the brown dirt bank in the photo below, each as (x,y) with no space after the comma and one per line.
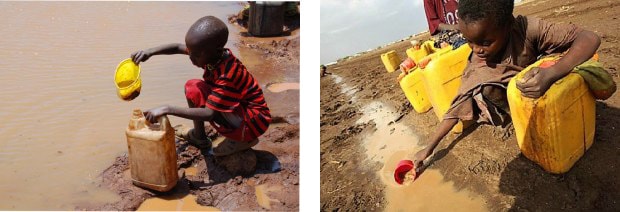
(483,159)
(277,153)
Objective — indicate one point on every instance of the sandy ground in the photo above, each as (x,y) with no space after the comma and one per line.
(217,182)
(483,159)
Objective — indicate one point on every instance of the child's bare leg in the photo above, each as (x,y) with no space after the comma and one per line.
(444,127)
(199,125)
(196,91)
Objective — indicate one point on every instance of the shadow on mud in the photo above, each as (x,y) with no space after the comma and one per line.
(443,152)
(266,163)
(592,183)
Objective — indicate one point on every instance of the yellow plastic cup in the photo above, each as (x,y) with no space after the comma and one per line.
(127,80)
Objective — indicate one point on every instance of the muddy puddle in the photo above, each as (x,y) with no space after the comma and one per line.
(180,200)
(64,123)
(262,193)
(392,142)
(279,87)
(174,203)
(429,192)
(389,136)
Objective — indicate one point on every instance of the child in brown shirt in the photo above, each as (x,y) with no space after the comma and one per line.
(502,46)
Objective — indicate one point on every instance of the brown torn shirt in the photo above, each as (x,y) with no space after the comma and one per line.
(530,37)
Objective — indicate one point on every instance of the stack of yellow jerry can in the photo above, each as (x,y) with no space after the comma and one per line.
(442,78)
(437,83)
(556,129)
(412,83)
(390,61)
(427,48)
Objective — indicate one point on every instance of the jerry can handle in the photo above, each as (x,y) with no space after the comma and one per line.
(163,121)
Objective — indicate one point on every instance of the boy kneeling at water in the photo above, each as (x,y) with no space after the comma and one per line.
(503,45)
(228,96)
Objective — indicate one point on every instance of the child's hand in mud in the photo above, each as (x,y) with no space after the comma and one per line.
(141,56)
(536,82)
(419,157)
(153,115)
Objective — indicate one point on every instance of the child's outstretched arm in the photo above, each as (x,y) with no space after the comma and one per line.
(444,127)
(196,114)
(173,48)
(537,81)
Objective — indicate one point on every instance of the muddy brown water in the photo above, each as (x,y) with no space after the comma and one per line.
(279,87)
(63,122)
(429,192)
(262,195)
(392,142)
(175,202)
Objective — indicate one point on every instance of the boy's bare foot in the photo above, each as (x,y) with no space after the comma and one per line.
(188,134)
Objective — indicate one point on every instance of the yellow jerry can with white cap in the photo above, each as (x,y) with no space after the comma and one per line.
(391,61)
(556,129)
(442,78)
(414,90)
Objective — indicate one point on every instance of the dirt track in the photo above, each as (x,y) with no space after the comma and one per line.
(483,159)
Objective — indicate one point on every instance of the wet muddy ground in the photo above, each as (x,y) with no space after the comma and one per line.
(484,160)
(218,182)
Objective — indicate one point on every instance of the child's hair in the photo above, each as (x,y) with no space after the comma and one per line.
(475,10)
(213,28)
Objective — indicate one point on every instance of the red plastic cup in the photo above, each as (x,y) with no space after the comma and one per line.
(402,168)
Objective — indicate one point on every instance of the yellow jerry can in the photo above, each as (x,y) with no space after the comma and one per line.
(414,90)
(427,48)
(442,78)
(556,129)
(390,60)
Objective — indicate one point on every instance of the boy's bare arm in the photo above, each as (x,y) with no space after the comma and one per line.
(443,129)
(582,49)
(537,81)
(173,48)
(197,114)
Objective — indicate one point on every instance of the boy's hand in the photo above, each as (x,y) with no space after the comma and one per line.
(536,82)
(141,56)
(419,157)
(153,115)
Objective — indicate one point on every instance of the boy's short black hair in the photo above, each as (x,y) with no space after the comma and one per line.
(213,29)
(475,10)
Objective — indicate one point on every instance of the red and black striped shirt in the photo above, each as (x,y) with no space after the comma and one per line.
(234,89)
